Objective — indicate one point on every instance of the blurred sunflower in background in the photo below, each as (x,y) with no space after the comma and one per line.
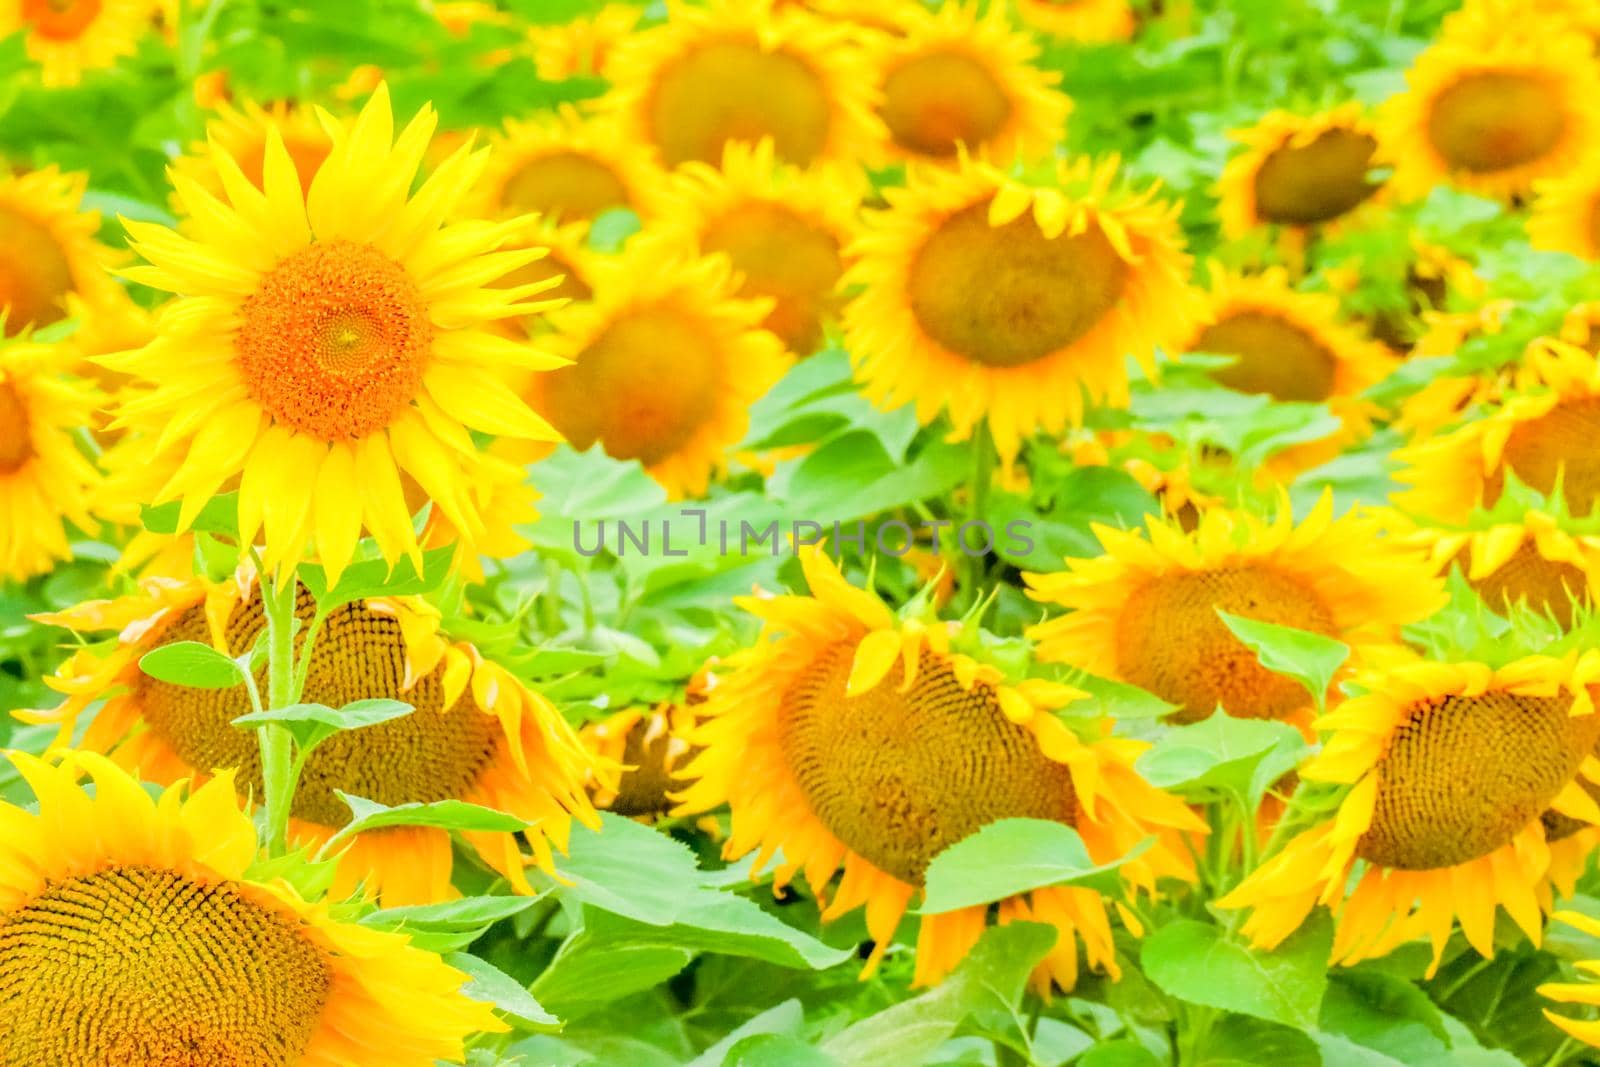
(1298,171)
(338,337)
(745,71)
(476,733)
(993,298)
(49,250)
(68,37)
(1080,20)
(665,363)
(852,740)
(1145,612)
(48,482)
(132,932)
(241,131)
(1452,766)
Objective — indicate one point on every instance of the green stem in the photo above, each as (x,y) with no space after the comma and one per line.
(550,607)
(977,507)
(277,771)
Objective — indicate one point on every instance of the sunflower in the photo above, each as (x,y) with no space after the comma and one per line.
(1080,20)
(566,168)
(1542,434)
(131,933)
(956,79)
(68,37)
(1145,612)
(583,46)
(1452,766)
(332,339)
(1533,562)
(1287,344)
(652,746)
(46,480)
(848,738)
(666,361)
(989,298)
(567,265)
(737,70)
(1493,114)
(783,230)
(241,132)
(1566,214)
(48,249)
(1298,171)
(477,734)
(1583,993)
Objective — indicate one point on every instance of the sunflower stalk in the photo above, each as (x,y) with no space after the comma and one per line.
(278,770)
(983,456)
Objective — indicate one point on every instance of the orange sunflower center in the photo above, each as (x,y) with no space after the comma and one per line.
(1274,356)
(435,753)
(1495,120)
(1005,296)
(899,775)
(1562,441)
(642,388)
(1171,641)
(734,89)
(16,437)
(787,258)
(34,273)
(569,186)
(1465,774)
(139,965)
(1315,182)
(335,341)
(60,20)
(1547,586)
(943,98)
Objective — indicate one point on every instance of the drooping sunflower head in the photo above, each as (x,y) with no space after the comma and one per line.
(1533,563)
(241,132)
(666,361)
(332,337)
(1492,114)
(990,298)
(131,934)
(1080,20)
(1452,766)
(1298,171)
(477,733)
(956,79)
(784,231)
(565,167)
(47,481)
(48,250)
(1287,344)
(1544,435)
(849,739)
(737,70)
(68,37)
(1145,612)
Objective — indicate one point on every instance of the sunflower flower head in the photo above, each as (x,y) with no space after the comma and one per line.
(1298,171)
(66,38)
(132,932)
(853,740)
(332,337)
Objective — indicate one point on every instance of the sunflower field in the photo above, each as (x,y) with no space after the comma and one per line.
(800,533)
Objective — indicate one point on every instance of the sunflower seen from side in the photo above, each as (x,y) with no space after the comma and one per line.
(476,733)
(1493,114)
(68,38)
(955,78)
(131,932)
(739,70)
(48,484)
(784,232)
(989,297)
(1298,171)
(565,167)
(48,250)
(1533,563)
(1451,766)
(333,337)
(1080,20)
(1145,612)
(849,740)
(665,363)
(1543,428)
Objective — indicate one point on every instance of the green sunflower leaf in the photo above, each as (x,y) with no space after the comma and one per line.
(1013,856)
(193,664)
(1310,659)
(312,724)
(1201,964)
